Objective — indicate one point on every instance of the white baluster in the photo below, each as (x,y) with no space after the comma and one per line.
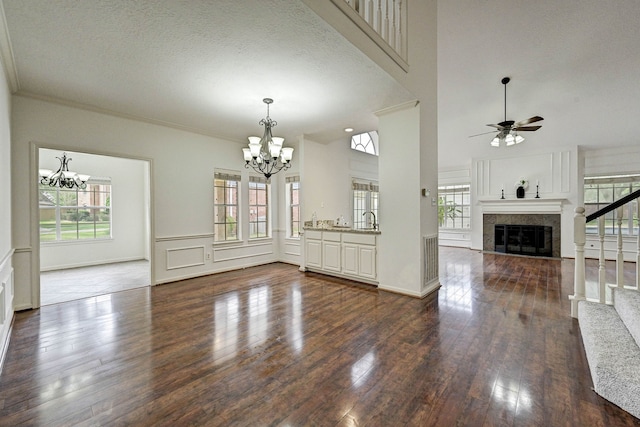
(385,26)
(378,26)
(579,239)
(392,31)
(620,255)
(638,247)
(601,268)
(398,46)
(369,14)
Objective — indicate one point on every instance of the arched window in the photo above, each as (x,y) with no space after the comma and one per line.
(366,142)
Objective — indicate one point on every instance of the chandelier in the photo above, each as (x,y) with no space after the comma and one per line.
(266,155)
(63,178)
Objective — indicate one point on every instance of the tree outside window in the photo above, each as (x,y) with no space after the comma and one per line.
(75,214)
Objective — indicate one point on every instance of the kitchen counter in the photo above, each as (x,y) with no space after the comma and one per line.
(341,229)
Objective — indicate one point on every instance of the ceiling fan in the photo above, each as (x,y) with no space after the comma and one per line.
(508,129)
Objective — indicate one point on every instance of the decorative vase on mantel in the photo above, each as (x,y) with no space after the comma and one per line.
(521,185)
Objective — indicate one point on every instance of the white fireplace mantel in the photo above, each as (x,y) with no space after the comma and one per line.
(521,206)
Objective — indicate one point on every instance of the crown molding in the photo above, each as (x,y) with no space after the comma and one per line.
(6,54)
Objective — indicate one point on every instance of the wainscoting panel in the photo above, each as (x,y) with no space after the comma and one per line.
(185,257)
(228,253)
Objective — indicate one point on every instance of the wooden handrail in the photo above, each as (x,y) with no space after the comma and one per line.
(626,199)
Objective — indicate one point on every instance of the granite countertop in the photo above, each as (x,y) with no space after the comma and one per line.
(321,227)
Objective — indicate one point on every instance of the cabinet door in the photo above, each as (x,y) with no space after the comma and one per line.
(350,259)
(367,261)
(313,253)
(331,256)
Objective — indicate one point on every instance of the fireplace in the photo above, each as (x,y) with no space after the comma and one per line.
(534,240)
(524,234)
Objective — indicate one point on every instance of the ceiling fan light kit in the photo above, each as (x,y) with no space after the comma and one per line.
(508,129)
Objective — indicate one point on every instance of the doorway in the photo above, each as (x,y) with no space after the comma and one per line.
(93,240)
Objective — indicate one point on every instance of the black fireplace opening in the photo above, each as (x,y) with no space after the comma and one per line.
(534,240)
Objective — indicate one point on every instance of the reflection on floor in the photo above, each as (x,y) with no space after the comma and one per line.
(76,283)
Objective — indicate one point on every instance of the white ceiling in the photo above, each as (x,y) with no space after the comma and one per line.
(203,65)
(206,65)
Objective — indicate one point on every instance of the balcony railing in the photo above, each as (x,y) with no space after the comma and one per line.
(385,21)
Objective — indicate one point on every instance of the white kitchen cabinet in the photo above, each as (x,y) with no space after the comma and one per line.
(346,254)
(313,249)
(331,249)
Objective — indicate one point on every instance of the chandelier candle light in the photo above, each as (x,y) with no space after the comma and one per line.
(63,178)
(266,155)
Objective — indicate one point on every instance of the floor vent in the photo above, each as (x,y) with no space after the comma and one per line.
(430,244)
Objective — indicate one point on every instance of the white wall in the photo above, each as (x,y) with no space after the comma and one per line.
(129,188)
(328,171)
(182,166)
(6,247)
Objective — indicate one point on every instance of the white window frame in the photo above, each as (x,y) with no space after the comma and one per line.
(370,202)
(259,181)
(444,194)
(290,181)
(57,208)
(630,212)
(227,176)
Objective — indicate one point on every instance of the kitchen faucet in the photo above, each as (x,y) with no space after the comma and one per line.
(375,226)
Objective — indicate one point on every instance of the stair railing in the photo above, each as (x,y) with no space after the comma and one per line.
(387,19)
(579,237)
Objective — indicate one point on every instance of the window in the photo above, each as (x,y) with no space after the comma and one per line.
(602,191)
(75,214)
(365,199)
(366,142)
(454,207)
(258,207)
(225,208)
(293,203)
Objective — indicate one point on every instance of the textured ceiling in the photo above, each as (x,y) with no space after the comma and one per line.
(206,65)
(203,65)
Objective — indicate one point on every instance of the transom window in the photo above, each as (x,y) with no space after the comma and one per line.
(602,191)
(75,214)
(225,209)
(366,142)
(454,207)
(365,199)
(258,207)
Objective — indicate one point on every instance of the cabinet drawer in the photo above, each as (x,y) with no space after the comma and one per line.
(330,236)
(360,239)
(313,234)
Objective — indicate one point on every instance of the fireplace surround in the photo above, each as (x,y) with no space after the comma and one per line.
(543,228)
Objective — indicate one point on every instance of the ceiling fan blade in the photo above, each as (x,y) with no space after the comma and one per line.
(527,121)
(499,127)
(527,128)
(484,133)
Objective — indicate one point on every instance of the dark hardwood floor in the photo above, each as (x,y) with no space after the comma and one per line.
(272,346)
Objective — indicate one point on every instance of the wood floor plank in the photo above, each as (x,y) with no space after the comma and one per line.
(270,345)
